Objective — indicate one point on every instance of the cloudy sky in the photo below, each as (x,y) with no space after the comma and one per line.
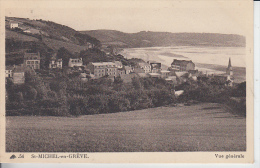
(228,17)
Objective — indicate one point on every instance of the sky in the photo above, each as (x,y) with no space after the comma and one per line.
(133,16)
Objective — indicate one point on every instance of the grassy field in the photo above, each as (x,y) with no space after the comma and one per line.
(201,127)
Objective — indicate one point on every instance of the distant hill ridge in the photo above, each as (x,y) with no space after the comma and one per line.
(156,39)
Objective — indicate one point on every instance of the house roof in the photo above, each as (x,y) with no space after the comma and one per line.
(181,62)
(118,63)
(165,71)
(128,68)
(32,55)
(154,74)
(193,72)
(18,69)
(76,59)
(180,74)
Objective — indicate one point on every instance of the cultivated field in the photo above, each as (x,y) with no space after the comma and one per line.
(201,127)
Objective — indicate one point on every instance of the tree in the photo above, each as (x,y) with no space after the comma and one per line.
(136,83)
(65,55)
(31,93)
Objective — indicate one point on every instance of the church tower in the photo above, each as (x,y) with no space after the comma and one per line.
(229,70)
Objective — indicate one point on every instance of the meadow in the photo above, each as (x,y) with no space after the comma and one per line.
(199,127)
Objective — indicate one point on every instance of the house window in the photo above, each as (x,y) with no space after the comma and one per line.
(36,62)
(28,62)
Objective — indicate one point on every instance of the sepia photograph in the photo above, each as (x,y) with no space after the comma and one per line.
(168,77)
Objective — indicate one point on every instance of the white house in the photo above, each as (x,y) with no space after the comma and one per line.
(75,62)
(14,25)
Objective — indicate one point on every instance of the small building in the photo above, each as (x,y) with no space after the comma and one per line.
(55,63)
(156,67)
(75,62)
(13,24)
(223,79)
(145,66)
(121,71)
(182,77)
(100,69)
(129,69)
(32,60)
(154,75)
(18,75)
(165,74)
(9,71)
(118,64)
(193,74)
(182,65)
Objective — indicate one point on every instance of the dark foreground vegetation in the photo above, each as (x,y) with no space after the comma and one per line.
(67,95)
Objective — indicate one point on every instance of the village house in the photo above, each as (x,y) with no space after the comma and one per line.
(100,69)
(129,69)
(32,60)
(165,74)
(118,64)
(18,75)
(154,75)
(9,71)
(75,62)
(172,79)
(182,65)
(13,24)
(156,67)
(145,66)
(194,74)
(121,71)
(55,63)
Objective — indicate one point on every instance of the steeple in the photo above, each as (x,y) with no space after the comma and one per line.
(229,63)
(229,70)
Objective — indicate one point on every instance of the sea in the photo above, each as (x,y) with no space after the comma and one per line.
(200,55)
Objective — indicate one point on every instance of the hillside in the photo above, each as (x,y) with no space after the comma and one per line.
(48,33)
(44,36)
(152,39)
